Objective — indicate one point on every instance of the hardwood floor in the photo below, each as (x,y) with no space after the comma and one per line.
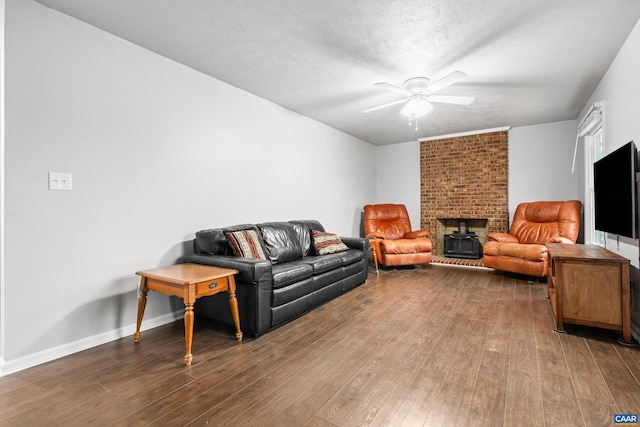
(432,346)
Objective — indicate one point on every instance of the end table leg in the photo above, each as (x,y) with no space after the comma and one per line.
(142,303)
(233,303)
(375,261)
(373,244)
(188,332)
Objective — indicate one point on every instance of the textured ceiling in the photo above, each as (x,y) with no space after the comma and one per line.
(528,62)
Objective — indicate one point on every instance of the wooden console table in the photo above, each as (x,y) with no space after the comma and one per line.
(189,282)
(589,285)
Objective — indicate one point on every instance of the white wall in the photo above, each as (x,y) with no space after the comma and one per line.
(2,298)
(157,152)
(540,160)
(620,91)
(398,179)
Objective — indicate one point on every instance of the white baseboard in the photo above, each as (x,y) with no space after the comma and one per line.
(11,366)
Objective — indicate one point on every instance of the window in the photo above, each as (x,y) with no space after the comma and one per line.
(595,148)
(592,129)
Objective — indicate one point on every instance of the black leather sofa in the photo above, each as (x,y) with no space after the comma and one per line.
(291,281)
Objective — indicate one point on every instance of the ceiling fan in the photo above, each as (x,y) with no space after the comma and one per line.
(419,94)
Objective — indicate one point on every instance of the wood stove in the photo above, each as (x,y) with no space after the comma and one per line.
(462,245)
(457,229)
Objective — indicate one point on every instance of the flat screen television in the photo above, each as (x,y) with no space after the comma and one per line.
(614,179)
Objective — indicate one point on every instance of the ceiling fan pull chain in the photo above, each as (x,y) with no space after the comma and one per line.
(413,118)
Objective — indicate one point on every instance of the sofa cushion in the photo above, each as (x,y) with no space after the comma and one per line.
(327,243)
(290,272)
(303,228)
(530,252)
(292,292)
(213,241)
(350,256)
(406,246)
(246,243)
(322,264)
(539,222)
(304,236)
(281,241)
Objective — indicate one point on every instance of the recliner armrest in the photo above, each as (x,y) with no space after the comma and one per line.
(560,239)
(416,233)
(502,238)
(375,235)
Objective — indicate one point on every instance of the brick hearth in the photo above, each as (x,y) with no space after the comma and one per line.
(465,177)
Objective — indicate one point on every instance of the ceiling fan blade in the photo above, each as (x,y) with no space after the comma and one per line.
(448,80)
(458,100)
(393,88)
(383,106)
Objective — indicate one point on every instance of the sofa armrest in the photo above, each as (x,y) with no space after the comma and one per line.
(254,285)
(416,234)
(356,243)
(363,245)
(502,238)
(250,270)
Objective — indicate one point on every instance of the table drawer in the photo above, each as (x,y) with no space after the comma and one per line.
(212,287)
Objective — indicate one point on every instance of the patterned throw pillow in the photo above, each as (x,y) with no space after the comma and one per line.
(327,243)
(246,244)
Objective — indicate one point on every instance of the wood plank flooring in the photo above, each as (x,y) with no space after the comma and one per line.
(432,346)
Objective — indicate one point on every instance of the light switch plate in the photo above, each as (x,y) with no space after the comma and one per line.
(59,181)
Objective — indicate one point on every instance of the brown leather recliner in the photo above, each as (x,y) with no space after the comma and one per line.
(389,229)
(522,250)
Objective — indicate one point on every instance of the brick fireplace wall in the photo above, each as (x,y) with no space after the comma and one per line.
(465,177)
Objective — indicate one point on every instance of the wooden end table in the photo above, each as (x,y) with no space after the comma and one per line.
(189,282)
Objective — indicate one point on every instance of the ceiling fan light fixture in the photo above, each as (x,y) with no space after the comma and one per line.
(419,93)
(416,107)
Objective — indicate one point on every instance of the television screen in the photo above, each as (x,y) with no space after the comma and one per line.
(615,191)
